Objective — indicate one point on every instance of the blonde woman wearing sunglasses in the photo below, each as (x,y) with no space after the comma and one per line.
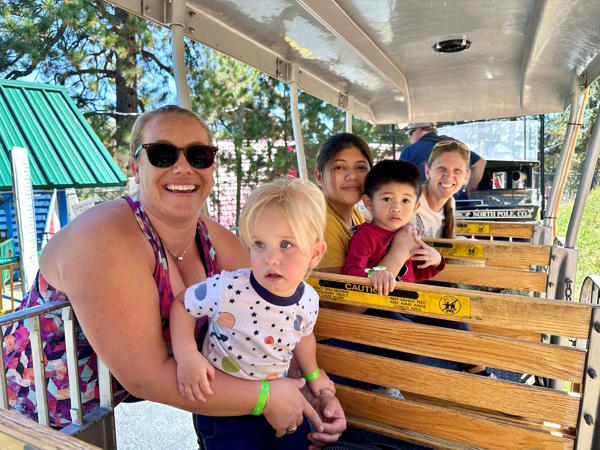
(120,264)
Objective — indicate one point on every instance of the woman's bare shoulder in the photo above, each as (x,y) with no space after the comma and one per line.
(112,218)
(105,234)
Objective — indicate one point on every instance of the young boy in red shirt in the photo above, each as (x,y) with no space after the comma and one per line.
(392,190)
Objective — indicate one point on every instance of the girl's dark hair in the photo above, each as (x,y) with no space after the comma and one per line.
(339,142)
(391,170)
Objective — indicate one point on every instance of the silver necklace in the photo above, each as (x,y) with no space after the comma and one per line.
(179,258)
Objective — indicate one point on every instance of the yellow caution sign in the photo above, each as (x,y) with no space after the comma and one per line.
(459,249)
(473,228)
(405,300)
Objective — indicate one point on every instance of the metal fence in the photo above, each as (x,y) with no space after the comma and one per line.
(96,427)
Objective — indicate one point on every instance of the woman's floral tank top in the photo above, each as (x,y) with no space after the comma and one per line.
(17,348)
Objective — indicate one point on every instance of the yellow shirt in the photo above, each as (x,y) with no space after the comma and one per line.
(337,237)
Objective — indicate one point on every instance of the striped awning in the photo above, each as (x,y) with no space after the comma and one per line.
(63,149)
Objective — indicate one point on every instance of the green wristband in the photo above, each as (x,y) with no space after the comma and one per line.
(263,396)
(370,270)
(313,375)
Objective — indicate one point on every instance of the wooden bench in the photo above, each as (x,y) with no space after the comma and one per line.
(18,432)
(493,264)
(449,409)
(510,231)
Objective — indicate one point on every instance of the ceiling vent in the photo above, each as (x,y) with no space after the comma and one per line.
(452,45)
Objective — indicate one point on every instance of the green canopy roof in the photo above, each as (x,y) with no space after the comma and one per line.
(63,149)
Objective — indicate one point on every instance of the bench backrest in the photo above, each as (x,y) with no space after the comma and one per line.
(445,408)
(506,265)
(511,231)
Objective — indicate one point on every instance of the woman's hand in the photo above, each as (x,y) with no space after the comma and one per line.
(334,420)
(286,406)
(194,373)
(428,255)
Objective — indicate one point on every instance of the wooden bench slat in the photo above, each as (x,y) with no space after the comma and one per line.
(406,435)
(515,334)
(493,277)
(471,390)
(447,423)
(497,254)
(28,434)
(504,353)
(494,310)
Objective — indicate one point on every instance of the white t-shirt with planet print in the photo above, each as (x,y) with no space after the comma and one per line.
(251,332)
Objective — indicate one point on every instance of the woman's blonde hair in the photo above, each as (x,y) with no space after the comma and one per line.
(439,149)
(137,131)
(302,204)
(450,146)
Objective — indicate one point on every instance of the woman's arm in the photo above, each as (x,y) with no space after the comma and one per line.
(399,252)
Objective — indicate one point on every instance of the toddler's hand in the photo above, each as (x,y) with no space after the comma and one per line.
(428,255)
(321,385)
(193,377)
(383,281)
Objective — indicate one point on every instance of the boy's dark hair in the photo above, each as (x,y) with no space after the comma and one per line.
(391,170)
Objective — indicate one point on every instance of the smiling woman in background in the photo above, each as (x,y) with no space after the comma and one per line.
(447,171)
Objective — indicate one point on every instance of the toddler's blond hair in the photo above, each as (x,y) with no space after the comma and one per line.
(301,203)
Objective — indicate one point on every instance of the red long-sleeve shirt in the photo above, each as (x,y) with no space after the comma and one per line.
(368,246)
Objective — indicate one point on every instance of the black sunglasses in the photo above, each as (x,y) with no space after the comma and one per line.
(163,155)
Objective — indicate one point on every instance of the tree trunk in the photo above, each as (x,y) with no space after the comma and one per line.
(126,80)
(238,140)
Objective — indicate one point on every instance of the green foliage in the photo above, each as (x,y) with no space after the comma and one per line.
(99,52)
(588,238)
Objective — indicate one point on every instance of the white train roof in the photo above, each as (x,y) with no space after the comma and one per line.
(377,57)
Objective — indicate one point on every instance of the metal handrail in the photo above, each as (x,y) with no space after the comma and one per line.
(23,314)
(590,290)
(31,319)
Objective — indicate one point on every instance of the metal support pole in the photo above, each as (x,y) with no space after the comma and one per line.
(542,164)
(294,84)
(348,121)
(585,184)
(524,138)
(34,327)
(562,167)
(105,385)
(178,50)
(393,141)
(72,365)
(3,391)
